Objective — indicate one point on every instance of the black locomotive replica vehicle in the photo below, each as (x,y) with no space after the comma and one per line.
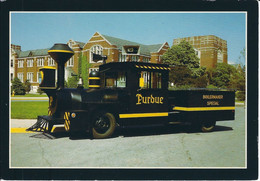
(127,93)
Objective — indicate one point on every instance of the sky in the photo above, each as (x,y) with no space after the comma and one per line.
(41,30)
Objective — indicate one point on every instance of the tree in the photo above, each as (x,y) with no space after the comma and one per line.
(72,82)
(180,75)
(18,87)
(27,86)
(85,65)
(241,58)
(222,75)
(186,64)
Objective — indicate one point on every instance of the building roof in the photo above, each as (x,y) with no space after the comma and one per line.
(33,53)
(81,44)
(144,49)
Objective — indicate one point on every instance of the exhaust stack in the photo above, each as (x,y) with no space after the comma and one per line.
(61,53)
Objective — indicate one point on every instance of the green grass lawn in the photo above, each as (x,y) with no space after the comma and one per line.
(28,110)
(31,95)
(240,102)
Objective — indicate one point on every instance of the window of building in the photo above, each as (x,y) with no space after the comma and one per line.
(146,59)
(97,49)
(71,62)
(12,76)
(39,77)
(122,58)
(51,62)
(151,80)
(30,76)
(30,63)
(220,56)
(20,76)
(12,63)
(20,63)
(40,62)
(134,58)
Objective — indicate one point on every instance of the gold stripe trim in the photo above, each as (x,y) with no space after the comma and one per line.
(203,108)
(142,115)
(61,51)
(94,85)
(48,67)
(94,78)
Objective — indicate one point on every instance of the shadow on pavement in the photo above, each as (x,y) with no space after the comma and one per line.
(130,132)
(222,128)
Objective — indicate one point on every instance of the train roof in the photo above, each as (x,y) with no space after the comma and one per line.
(133,65)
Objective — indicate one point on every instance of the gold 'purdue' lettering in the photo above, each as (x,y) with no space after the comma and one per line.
(148,100)
(212,96)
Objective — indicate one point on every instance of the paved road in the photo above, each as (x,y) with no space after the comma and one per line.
(138,147)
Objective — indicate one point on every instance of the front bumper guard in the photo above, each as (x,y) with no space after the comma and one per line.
(43,124)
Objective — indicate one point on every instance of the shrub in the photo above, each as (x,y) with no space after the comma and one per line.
(72,82)
(211,86)
(18,87)
(240,95)
(27,86)
(39,91)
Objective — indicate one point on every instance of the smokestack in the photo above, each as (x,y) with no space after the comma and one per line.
(61,53)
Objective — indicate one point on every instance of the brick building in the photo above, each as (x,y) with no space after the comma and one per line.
(210,49)
(28,63)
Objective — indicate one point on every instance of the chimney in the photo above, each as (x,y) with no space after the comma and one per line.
(61,53)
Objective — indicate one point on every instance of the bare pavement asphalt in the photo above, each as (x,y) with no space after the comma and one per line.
(139,147)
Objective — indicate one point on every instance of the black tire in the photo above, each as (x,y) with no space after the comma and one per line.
(103,125)
(208,126)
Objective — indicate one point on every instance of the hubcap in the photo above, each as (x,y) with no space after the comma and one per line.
(102,124)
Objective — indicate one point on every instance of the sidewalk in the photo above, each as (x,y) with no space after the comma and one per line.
(22,123)
(20,126)
(29,98)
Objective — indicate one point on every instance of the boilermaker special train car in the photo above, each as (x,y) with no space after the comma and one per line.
(127,93)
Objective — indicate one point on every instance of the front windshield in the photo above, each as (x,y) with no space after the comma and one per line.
(115,79)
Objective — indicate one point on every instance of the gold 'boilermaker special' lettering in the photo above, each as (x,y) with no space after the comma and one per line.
(148,100)
(212,96)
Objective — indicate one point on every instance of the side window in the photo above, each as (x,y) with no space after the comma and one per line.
(150,80)
(156,80)
(115,79)
(121,79)
(145,80)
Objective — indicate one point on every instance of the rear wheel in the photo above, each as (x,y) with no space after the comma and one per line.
(208,126)
(104,124)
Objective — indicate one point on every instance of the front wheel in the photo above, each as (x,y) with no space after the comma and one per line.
(104,124)
(208,126)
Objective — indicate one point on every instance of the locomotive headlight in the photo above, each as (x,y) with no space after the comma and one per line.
(73,115)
